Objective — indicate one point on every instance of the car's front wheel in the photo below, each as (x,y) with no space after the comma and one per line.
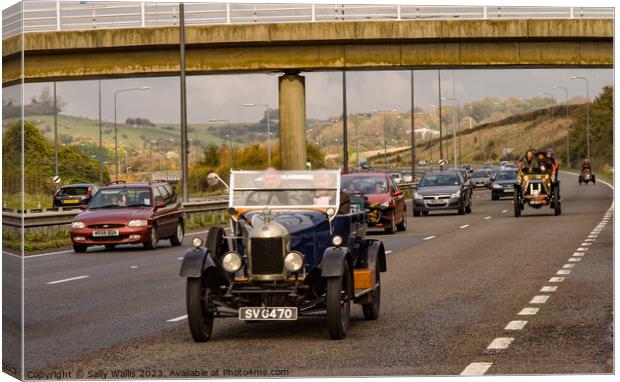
(371,310)
(79,248)
(402,226)
(339,304)
(151,242)
(200,314)
(177,238)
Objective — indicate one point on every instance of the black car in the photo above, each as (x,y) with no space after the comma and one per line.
(504,184)
(74,195)
(442,190)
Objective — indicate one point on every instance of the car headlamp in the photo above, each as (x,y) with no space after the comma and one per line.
(137,223)
(231,262)
(497,185)
(385,204)
(293,261)
(337,241)
(456,194)
(197,242)
(78,225)
(417,196)
(330,212)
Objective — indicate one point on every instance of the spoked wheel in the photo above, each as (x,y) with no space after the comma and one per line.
(371,310)
(339,304)
(516,204)
(199,310)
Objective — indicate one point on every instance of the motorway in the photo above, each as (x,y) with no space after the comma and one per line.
(473,294)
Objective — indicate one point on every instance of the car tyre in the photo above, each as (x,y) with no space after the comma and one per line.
(516,205)
(402,226)
(494,197)
(392,227)
(216,242)
(468,208)
(557,208)
(425,213)
(153,240)
(177,238)
(79,248)
(339,304)
(461,209)
(200,314)
(371,310)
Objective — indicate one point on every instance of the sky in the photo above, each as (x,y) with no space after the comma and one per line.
(222,96)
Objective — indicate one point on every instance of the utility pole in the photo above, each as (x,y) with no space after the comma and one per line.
(440,123)
(55,132)
(345,138)
(587,113)
(100,140)
(412,126)
(184,146)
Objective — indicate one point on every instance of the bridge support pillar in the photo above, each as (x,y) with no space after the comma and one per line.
(292,102)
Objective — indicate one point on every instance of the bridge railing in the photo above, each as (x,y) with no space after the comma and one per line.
(46,16)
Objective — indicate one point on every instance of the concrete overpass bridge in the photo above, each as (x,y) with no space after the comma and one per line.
(279,45)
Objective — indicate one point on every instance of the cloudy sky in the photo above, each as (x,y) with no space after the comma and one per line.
(222,96)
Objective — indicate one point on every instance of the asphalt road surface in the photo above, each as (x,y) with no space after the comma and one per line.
(454,300)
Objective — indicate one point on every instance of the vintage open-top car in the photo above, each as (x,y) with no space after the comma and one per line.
(536,190)
(296,247)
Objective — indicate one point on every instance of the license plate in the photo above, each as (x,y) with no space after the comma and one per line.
(435,202)
(70,201)
(535,192)
(268,313)
(105,232)
(535,201)
(508,189)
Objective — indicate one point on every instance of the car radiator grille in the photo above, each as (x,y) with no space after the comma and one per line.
(106,225)
(266,256)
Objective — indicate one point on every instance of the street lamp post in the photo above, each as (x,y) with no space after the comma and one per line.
(116,160)
(565,89)
(268,128)
(455,128)
(587,112)
(100,140)
(385,163)
(229,136)
(552,115)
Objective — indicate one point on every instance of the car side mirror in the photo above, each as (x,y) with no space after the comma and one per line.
(159,205)
(398,193)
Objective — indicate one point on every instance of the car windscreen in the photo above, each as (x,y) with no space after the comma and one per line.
(433,180)
(365,185)
(73,191)
(273,188)
(122,197)
(480,174)
(506,175)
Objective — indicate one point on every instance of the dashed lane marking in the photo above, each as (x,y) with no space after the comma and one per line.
(180,318)
(516,325)
(582,249)
(487,217)
(568,266)
(500,343)
(578,254)
(69,279)
(529,311)
(464,226)
(477,368)
(541,299)
(574,259)
(388,251)
(429,237)
(563,272)
(548,289)
(556,279)
(504,211)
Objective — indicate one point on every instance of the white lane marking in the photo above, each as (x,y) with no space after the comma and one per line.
(568,266)
(477,368)
(69,279)
(578,254)
(586,244)
(11,254)
(134,267)
(500,343)
(179,258)
(388,251)
(48,254)
(487,217)
(516,325)
(540,299)
(574,259)
(429,237)
(504,211)
(556,279)
(464,226)
(592,236)
(582,249)
(528,311)
(548,289)
(563,272)
(180,318)
(590,240)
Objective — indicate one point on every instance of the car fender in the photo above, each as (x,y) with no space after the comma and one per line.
(196,261)
(372,254)
(332,264)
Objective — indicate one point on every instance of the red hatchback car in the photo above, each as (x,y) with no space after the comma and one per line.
(382,192)
(129,213)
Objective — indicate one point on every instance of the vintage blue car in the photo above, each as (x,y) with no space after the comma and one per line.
(295,247)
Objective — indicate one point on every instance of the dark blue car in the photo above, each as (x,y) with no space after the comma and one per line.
(296,247)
